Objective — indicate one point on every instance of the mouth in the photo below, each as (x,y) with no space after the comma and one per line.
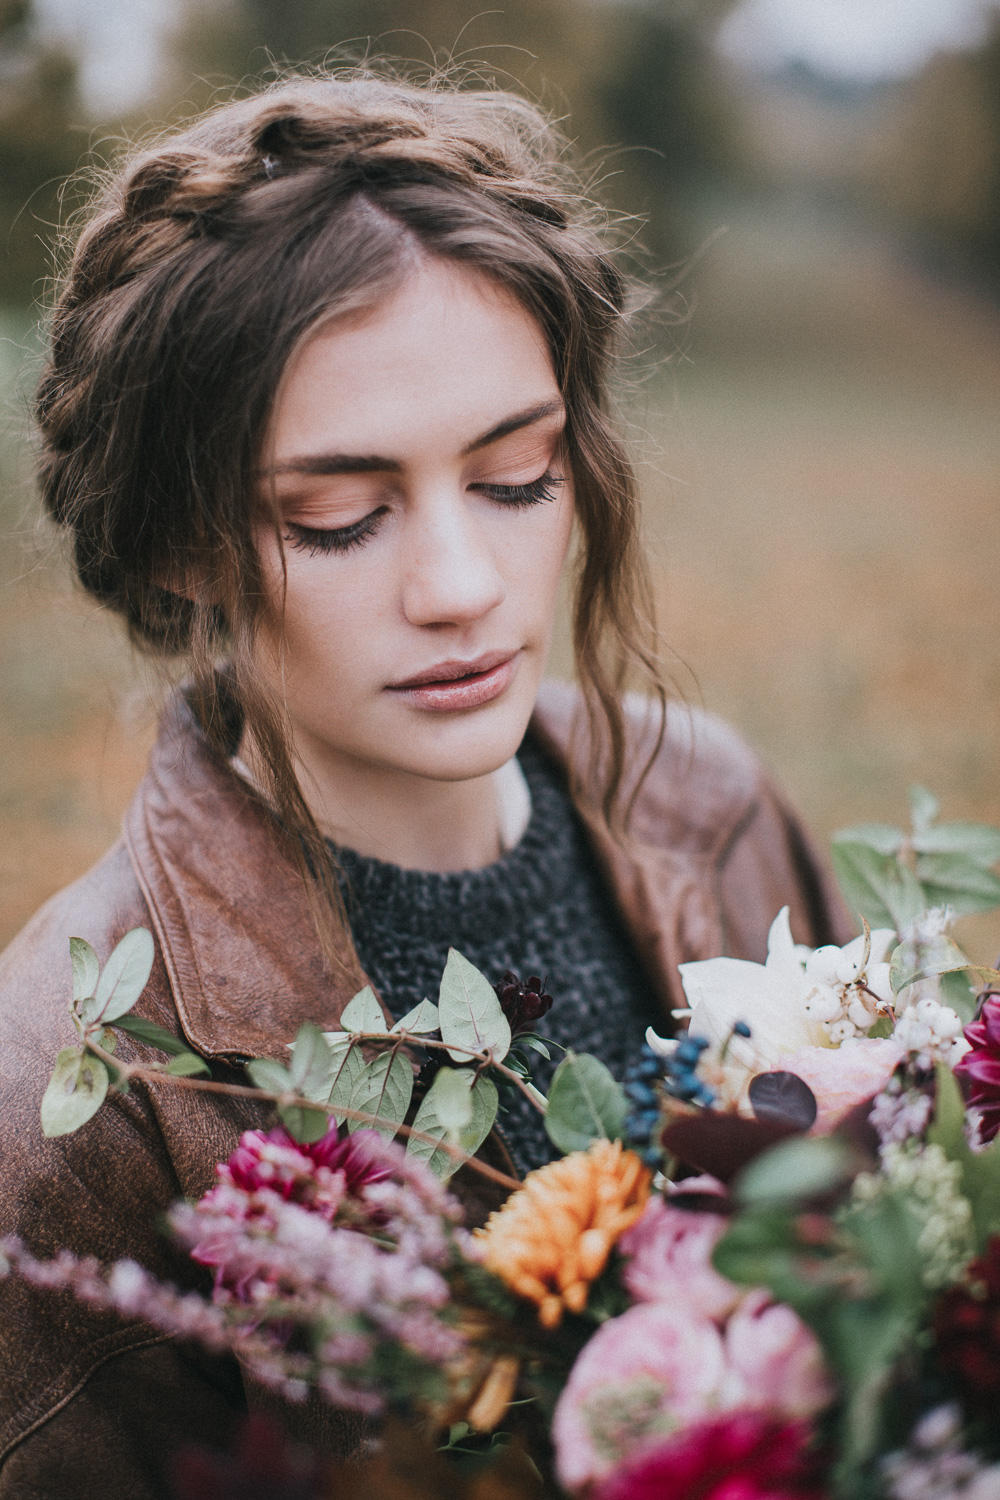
(451,685)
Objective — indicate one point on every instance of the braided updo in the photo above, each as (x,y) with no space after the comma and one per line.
(204,265)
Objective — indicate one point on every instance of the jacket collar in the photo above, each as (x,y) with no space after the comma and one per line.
(233,924)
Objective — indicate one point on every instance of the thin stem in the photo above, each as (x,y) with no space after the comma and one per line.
(485,1058)
(287,1100)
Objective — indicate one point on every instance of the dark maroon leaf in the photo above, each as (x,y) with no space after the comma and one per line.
(783,1097)
(721,1144)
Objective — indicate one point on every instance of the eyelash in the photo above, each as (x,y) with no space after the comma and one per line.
(314,540)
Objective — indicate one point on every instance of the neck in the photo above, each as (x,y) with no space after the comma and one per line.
(413,822)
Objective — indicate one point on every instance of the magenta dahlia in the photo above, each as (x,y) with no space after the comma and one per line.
(744,1455)
(288,1167)
(979,1070)
(967,1330)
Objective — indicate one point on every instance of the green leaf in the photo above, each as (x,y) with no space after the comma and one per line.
(75,1092)
(313,1065)
(470,1014)
(793,1170)
(978,841)
(448,1097)
(269,1075)
(535,1043)
(421,1020)
(383,1089)
(759,1249)
(876,885)
(86,969)
(187,1065)
(911,961)
(924,808)
(303,1124)
(957,881)
(363,1012)
(980,1169)
(153,1035)
(585,1103)
(348,1066)
(882,837)
(123,978)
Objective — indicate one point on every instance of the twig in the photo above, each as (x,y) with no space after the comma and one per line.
(292,1100)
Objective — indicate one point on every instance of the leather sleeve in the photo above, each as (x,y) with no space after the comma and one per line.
(767,862)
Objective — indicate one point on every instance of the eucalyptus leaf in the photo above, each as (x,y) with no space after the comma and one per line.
(348,1066)
(585,1103)
(153,1035)
(957,881)
(313,1066)
(924,808)
(75,1092)
(978,841)
(304,1124)
(384,1088)
(86,969)
(420,1021)
(882,837)
(363,1012)
(187,1065)
(793,1170)
(438,1114)
(471,1016)
(269,1075)
(123,978)
(911,961)
(875,885)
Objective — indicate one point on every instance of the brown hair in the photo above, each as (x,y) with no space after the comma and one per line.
(204,264)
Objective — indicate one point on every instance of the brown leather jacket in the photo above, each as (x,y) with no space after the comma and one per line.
(91,1405)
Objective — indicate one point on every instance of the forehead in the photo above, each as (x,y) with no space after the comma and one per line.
(444,356)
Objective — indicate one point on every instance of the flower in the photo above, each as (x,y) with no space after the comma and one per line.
(741,1456)
(967,1329)
(668,1256)
(552,1237)
(776,1358)
(844,1076)
(759,1018)
(662,1365)
(523,1003)
(640,1377)
(979,1069)
(288,1167)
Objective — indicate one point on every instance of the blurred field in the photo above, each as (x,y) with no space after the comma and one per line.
(821,463)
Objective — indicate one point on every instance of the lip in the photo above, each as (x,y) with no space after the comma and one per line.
(451,685)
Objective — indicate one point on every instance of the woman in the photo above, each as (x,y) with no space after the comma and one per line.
(325,412)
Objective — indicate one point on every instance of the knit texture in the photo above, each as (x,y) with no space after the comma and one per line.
(540,909)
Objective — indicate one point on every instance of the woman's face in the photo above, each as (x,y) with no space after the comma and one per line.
(426,512)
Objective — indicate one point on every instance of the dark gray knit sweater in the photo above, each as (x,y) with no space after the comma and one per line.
(540,909)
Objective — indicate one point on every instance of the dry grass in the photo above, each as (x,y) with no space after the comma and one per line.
(822,472)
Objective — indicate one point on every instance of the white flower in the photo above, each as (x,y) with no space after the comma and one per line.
(798,998)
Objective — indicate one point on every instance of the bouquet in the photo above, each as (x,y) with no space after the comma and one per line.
(766,1265)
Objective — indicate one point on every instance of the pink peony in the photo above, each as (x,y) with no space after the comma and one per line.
(775,1360)
(742,1456)
(668,1254)
(641,1376)
(845,1076)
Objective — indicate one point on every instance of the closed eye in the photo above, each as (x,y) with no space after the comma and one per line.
(315,539)
(532,493)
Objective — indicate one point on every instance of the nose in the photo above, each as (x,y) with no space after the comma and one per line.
(451,575)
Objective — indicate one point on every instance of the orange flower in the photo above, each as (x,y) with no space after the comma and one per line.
(553,1236)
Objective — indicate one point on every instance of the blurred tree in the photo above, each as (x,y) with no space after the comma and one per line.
(633,82)
(935,163)
(39,146)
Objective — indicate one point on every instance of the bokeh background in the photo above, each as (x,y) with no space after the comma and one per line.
(813,404)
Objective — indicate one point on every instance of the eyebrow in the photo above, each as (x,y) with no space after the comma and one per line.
(373,463)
